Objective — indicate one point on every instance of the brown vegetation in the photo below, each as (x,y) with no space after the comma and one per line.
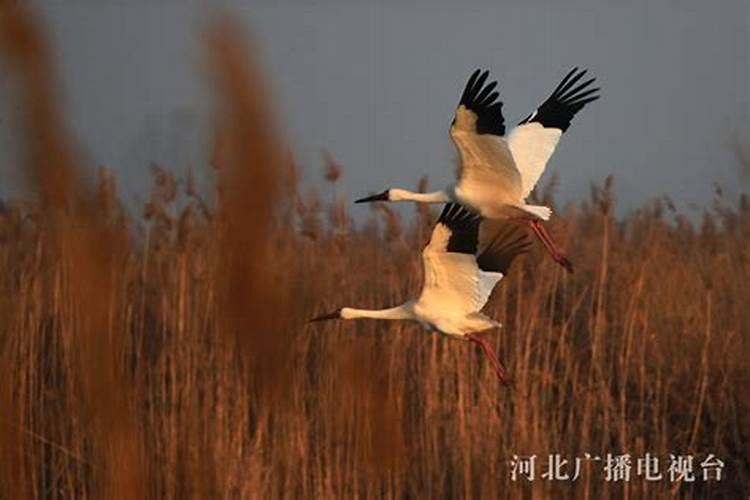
(177,362)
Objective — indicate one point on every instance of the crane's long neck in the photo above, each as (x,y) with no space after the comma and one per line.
(400,312)
(405,195)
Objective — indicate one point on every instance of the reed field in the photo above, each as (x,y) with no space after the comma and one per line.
(166,352)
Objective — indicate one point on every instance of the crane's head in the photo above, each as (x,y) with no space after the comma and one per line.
(384,196)
(323,317)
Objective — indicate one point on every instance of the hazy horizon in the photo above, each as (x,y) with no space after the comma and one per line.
(376,85)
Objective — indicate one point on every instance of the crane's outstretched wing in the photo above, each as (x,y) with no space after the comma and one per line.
(534,140)
(466,257)
(451,275)
(500,242)
(477,130)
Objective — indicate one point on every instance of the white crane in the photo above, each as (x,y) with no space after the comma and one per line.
(497,173)
(460,271)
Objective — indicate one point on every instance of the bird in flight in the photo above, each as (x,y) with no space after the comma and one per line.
(463,261)
(498,171)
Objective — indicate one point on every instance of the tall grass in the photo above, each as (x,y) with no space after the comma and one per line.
(169,355)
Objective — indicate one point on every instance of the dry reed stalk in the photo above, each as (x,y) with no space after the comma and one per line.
(253,160)
(85,247)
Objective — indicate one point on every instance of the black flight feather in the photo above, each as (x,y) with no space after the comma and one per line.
(501,242)
(464,227)
(482,101)
(560,107)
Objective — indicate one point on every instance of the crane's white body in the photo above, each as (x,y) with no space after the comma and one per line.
(454,292)
(446,322)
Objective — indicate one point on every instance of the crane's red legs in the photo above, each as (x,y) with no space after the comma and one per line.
(490,353)
(549,244)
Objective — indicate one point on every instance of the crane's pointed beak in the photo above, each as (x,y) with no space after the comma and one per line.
(334,315)
(375,197)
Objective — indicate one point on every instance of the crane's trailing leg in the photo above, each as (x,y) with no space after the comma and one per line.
(549,244)
(490,353)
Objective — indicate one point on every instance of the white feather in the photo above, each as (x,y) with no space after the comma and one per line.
(487,282)
(451,283)
(487,174)
(532,145)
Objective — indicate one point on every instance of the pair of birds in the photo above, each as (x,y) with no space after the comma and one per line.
(480,229)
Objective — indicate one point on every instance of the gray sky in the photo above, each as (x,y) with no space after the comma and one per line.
(376,84)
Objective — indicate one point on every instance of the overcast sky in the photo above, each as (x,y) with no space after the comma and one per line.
(376,84)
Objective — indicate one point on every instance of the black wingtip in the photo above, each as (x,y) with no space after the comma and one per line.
(480,97)
(565,101)
(375,197)
(503,242)
(455,214)
(464,227)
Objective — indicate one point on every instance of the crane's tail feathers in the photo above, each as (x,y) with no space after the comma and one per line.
(538,211)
